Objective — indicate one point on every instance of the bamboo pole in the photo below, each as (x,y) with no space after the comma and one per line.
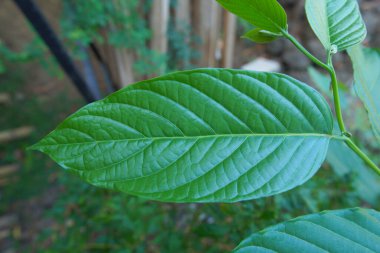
(8,169)
(229,39)
(159,26)
(207,24)
(14,134)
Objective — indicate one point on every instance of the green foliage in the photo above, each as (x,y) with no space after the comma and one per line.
(203,133)
(366,62)
(33,51)
(336,23)
(182,44)
(126,28)
(264,14)
(119,23)
(349,230)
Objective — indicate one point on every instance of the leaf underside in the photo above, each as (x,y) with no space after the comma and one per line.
(257,35)
(207,135)
(336,22)
(366,63)
(340,231)
(264,14)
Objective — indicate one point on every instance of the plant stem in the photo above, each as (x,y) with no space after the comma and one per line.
(362,155)
(329,67)
(335,88)
(305,52)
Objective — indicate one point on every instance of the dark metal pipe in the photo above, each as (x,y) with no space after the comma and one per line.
(42,27)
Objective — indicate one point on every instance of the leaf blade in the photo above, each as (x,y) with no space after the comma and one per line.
(190,136)
(366,63)
(349,230)
(265,14)
(336,23)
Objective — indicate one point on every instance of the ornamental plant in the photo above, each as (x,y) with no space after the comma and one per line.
(224,135)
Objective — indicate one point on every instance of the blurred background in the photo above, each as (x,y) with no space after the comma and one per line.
(99,46)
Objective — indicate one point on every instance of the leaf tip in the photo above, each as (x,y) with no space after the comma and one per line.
(35,147)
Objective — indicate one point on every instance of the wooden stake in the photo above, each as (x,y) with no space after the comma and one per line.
(14,134)
(207,18)
(5,98)
(159,27)
(8,169)
(182,14)
(124,63)
(229,39)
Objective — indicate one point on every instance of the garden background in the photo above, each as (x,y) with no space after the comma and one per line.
(117,42)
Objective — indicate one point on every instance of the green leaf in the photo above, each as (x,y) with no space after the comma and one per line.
(205,135)
(349,230)
(336,22)
(345,162)
(366,63)
(260,36)
(264,14)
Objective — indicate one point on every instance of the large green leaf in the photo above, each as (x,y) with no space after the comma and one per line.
(341,231)
(264,14)
(204,135)
(336,22)
(366,62)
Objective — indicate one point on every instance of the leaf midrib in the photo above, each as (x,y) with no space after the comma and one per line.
(330,136)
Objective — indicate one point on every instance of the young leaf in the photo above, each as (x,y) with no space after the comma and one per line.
(260,36)
(205,135)
(336,22)
(366,63)
(349,230)
(264,14)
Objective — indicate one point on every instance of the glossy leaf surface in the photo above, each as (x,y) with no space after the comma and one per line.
(366,63)
(350,230)
(264,14)
(198,136)
(336,22)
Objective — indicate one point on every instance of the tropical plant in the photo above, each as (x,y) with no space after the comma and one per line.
(223,135)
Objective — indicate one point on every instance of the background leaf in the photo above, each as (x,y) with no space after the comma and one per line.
(366,63)
(257,35)
(336,22)
(264,14)
(350,230)
(323,84)
(346,162)
(201,136)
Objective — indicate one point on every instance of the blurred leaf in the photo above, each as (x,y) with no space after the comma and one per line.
(260,36)
(344,162)
(264,14)
(336,22)
(323,83)
(366,63)
(207,135)
(349,230)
